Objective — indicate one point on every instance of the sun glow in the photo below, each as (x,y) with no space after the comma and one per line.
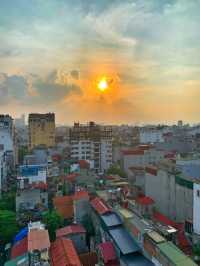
(102,84)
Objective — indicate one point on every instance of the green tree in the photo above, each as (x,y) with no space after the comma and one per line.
(53,221)
(115,169)
(8,225)
(7,201)
(23,150)
(89,227)
(196,249)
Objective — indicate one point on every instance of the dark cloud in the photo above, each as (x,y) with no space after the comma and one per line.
(35,90)
(75,74)
(12,87)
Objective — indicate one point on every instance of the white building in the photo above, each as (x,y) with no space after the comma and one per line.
(93,143)
(196,208)
(151,136)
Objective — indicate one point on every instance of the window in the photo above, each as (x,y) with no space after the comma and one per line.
(198,193)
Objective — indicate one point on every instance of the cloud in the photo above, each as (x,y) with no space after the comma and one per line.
(34,90)
(75,74)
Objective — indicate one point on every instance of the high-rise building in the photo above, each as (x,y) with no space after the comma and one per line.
(92,142)
(8,150)
(41,130)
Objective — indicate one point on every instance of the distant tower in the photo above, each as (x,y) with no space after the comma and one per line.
(41,130)
(180,123)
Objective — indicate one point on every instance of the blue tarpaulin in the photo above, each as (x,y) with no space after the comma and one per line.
(22,234)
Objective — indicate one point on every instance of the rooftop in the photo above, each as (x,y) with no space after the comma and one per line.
(63,253)
(20,260)
(123,240)
(38,239)
(144,200)
(82,194)
(176,256)
(136,260)
(100,206)
(19,248)
(107,251)
(71,229)
(111,219)
(64,206)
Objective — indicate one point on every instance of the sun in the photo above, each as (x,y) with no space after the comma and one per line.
(102,84)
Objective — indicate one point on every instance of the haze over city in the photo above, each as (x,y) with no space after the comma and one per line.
(53,54)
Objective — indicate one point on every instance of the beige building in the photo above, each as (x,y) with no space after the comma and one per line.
(41,130)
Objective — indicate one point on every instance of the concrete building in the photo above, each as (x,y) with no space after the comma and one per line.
(41,130)
(196,208)
(150,135)
(8,149)
(93,143)
(171,191)
(140,156)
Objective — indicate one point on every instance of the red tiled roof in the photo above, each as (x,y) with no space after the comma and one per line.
(71,177)
(38,239)
(89,259)
(82,194)
(151,170)
(107,251)
(64,206)
(40,185)
(144,200)
(163,219)
(84,164)
(63,253)
(19,248)
(71,229)
(56,157)
(99,206)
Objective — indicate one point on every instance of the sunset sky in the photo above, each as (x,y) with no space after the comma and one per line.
(53,53)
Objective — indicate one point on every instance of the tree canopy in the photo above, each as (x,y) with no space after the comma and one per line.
(53,221)
(115,169)
(8,225)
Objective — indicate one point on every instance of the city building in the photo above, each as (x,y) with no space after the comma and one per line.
(140,156)
(92,142)
(41,130)
(77,234)
(8,150)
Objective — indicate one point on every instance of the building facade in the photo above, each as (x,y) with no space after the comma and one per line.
(41,130)
(92,142)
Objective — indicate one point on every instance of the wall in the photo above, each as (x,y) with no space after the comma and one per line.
(196,209)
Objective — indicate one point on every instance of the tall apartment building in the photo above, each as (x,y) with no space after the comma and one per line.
(8,149)
(41,130)
(92,142)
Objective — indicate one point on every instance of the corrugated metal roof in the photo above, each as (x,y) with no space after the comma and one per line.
(63,253)
(71,229)
(107,251)
(20,260)
(136,259)
(111,219)
(19,248)
(123,240)
(125,213)
(156,237)
(175,255)
(100,206)
(64,206)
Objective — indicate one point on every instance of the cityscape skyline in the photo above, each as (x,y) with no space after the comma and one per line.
(146,49)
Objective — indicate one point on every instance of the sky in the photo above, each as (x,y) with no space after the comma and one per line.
(54,52)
